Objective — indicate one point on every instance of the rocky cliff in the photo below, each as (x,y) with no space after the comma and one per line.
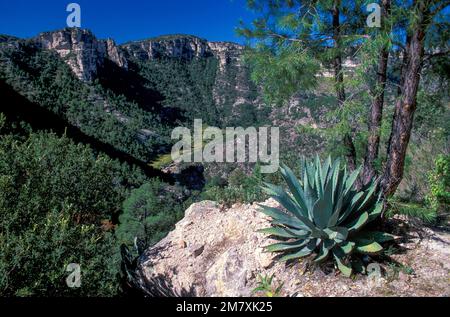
(84,53)
(233,93)
(216,251)
(232,76)
(184,47)
(81,50)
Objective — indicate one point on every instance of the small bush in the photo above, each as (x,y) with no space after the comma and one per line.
(439,179)
(149,214)
(53,196)
(241,188)
(424,213)
(266,286)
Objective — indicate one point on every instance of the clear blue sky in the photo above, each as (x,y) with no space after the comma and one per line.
(128,20)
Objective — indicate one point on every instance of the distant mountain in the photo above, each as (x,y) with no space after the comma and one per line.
(86,56)
(130,96)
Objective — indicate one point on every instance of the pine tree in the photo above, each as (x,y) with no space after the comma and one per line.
(297,40)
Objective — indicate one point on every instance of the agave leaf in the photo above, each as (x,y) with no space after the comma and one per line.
(335,178)
(328,194)
(305,179)
(320,214)
(323,254)
(329,244)
(370,197)
(310,197)
(283,218)
(348,247)
(307,250)
(283,233)
(277,247)
(372,248)
(339,256)
(288,203)
(337,211)
(298,233)
(318,183)
(352,207)
(326,170)
(320,179)
(296,189)
(376,236)
(376,212)
(323,209)
(292,231)
(342,176)
(310,175)
(358,223)
(338,234)
(302,165)
(351,180)
(284,199)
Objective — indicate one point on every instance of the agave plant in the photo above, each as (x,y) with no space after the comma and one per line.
(324,214)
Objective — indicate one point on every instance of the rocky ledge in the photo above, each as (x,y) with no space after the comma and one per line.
(215,251)
(185,47)
(81,50)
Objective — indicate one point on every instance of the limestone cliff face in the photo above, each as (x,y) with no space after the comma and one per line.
(82,51)
(184,47)
(227,53)
(232,75)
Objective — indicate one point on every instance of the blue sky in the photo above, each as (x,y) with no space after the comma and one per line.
(128,20)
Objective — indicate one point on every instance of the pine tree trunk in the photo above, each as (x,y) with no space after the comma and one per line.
(406,105)
(376,110)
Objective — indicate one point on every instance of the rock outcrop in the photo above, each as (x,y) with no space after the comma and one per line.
(232,75)
(82,51)
(215,251)
(185,47)
(84,54)
(171,46)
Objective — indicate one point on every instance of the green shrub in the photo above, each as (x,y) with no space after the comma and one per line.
(266,286)
(424,213)
(2,121)
(439,179)
(33,261)
(149,213)
(324,214)
(53,196)
(241,188)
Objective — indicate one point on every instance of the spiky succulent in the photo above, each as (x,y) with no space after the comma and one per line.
(324,214)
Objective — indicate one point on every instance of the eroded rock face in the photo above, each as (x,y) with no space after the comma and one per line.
(219,252)
(82,51)
(184,47)
(232,75)
(180,47)
(216,251)
(227,53)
